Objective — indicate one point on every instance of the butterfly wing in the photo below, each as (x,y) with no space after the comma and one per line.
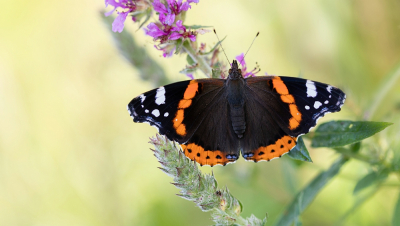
(191,113)
(286,108)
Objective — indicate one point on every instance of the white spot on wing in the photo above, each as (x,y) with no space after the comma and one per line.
(307,107)
(147,111)
(142,97)
(329,88)
(160,96)
(317,104)
(311,89)
(156,112)
(326,102)
(129,110)
(166,114)
(330,96)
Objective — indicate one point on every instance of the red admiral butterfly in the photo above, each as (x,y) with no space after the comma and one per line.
(216,119)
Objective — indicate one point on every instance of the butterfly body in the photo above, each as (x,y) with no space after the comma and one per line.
(215,120)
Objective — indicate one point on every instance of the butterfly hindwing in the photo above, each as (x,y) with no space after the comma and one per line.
(211,138)
(267,119)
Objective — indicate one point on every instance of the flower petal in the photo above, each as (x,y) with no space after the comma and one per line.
(159,7)
(175,36)
(154,31)
(184,7)
(240,58)
(192,38)
(109,13)
(169,19)
(118,24)
(190,76)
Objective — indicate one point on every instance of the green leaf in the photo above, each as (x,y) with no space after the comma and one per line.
(190,60)
(179,45)
(307,195)
(188,70)
(396,213)
(355,147)
(300,152)
(340,133)
(216,45)
(194,27)
(370,179)
(148,16)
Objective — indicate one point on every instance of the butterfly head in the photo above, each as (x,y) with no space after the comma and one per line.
(235,72)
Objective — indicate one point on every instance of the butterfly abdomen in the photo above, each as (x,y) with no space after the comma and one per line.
(236,105)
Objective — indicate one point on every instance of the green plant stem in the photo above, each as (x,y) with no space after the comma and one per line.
(383,89)
(202,64)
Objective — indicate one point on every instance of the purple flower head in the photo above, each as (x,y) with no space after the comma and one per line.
(127,7)
(180,32)
(245,74)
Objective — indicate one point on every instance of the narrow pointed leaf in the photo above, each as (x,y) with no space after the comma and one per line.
(307,195)
(190,60)
(300,152)
(194,27)
(216,45)
(370,179)
(340,133)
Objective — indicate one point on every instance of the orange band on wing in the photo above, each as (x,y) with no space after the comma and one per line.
(184,104)
(282,90)
(281,146)
(177,121)
(203,157)
(189,94)
(191,90)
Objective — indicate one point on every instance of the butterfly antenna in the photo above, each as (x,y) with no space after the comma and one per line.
(251,45)
(221,46)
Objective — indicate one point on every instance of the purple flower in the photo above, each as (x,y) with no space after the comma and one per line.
(118,24)
(180,32)
(127,6)
(165,31)
(245,74)
(168,19)
(154,31)
(190,76)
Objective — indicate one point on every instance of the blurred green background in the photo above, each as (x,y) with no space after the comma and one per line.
(71,155)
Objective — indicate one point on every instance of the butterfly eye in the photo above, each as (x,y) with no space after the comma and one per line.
(240,71)
(230,71)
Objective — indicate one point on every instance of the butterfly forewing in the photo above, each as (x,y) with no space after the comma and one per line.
(158,107)
(313,100)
